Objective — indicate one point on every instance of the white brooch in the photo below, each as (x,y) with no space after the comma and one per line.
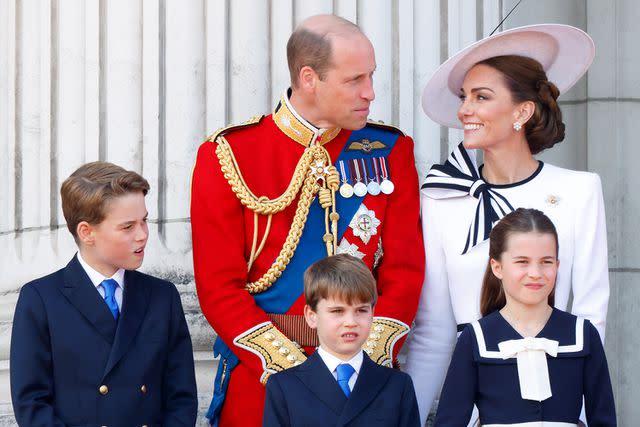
(319,169)
(364,223)
(552,200)
(349,248)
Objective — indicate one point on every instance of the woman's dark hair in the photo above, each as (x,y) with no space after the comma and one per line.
(526,80)
(520,221)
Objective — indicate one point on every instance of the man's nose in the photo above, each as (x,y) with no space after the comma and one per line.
(367,92)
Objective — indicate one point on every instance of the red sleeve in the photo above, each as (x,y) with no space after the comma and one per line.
(220,266)
(401,272)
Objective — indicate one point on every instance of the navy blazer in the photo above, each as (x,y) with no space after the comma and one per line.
(308,395)
(72,364)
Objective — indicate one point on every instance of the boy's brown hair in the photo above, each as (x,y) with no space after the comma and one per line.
(342,277)
(86,193)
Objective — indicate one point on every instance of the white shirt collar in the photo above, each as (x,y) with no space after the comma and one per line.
(332,362)
(97,277)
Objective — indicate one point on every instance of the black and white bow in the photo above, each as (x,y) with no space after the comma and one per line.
(459,176)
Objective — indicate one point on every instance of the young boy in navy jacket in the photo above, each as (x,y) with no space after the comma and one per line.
(339,384)
(97,342)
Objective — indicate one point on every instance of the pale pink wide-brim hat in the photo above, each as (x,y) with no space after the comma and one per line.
(565,53)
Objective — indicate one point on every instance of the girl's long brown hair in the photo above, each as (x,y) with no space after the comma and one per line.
(520,221)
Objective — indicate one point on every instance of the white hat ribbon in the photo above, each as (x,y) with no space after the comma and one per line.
(533,372)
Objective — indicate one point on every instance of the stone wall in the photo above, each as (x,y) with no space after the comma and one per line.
(141,84)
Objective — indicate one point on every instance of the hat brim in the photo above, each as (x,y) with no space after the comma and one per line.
(565,53)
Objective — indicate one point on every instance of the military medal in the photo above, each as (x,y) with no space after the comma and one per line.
(359,188)
(346,189)
(373,187)
(386,186)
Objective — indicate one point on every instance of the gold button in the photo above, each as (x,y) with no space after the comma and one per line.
(103,389)
(143,388)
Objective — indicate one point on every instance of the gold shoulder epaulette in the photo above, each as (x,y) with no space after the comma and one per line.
(225,130)
(382,125)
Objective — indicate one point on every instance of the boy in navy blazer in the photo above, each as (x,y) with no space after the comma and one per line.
(339,385)
(98,343)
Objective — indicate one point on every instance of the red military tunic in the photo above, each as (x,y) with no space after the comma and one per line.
(266,152)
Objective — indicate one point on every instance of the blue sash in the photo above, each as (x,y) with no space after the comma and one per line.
(288,288)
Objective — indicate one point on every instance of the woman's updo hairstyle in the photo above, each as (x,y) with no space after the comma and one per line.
(526,80)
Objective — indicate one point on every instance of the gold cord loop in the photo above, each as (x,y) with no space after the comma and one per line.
(312,174)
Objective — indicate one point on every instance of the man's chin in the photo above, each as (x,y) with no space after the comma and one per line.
(356,125)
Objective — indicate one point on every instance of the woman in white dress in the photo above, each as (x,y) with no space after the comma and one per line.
(503,92)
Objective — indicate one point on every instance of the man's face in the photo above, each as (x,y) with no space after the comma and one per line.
(342,98)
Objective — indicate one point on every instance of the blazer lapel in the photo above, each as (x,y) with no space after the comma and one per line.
(371,378)
(134,307)
(82,294)
(315,375)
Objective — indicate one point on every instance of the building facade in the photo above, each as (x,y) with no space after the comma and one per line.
(142,83)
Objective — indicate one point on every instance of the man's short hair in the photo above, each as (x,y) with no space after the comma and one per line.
(342,277)
(86,193)
(312,48)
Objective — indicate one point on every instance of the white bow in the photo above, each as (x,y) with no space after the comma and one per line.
(533,372)
(459,176)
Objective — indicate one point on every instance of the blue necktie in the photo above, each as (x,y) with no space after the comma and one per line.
(109,286)
(344,371)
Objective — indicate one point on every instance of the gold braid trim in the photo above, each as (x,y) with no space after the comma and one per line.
(304,181)
(385,332)
(275,350)
(257,204)
(291,242)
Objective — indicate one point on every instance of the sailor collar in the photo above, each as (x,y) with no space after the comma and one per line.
(564,328)
(297,128)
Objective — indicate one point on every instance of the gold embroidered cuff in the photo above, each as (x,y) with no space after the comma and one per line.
(275,350)
(385,332)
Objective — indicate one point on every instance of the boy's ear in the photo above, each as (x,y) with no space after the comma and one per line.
(496,267)
(84,230)
(310,316)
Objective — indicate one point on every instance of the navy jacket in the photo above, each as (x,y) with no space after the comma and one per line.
(308,395)
(478,374)
(72,364)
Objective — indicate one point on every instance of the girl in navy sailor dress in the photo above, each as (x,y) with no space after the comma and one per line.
(526,363)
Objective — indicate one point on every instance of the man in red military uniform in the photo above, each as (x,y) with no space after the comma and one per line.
(273,195)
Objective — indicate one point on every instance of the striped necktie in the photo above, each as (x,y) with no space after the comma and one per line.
(109,286)
(459,177)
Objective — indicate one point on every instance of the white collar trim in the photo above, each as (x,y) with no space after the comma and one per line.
(488,354)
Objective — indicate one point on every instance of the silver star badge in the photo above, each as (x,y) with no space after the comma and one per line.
(364,223)
(349,248)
